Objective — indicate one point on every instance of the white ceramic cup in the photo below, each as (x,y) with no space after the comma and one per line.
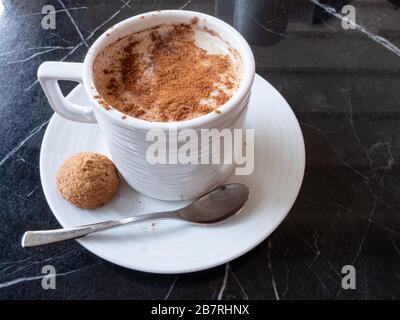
(126,138)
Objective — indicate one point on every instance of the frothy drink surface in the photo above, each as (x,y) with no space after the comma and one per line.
(167,73)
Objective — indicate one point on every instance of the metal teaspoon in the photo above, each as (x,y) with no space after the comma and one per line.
(215,206)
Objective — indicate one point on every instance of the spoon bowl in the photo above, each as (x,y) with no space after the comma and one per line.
(216,206)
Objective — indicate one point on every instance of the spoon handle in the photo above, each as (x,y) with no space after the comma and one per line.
(37,238)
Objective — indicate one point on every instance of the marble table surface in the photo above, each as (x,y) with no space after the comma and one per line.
(343,85)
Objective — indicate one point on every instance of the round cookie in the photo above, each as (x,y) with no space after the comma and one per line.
(88,180)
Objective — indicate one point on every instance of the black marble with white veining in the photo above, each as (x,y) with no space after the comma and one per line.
(344,87)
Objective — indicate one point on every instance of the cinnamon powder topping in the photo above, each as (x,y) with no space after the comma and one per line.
(165,77)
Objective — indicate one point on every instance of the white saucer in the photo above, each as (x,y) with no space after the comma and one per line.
(173,246)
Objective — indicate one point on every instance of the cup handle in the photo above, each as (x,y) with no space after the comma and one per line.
(48,74)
